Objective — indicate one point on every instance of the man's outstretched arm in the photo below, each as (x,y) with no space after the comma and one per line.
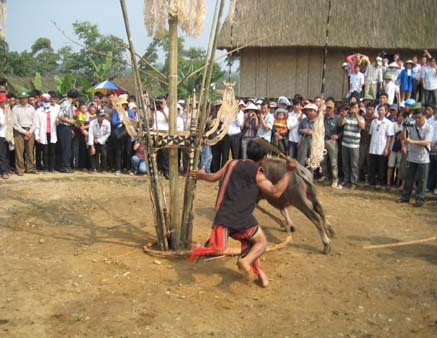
(275,190)
(200,174)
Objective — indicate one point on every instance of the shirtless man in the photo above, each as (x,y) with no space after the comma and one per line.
(242,180)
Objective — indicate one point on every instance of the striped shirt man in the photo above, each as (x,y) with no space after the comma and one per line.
(351,132)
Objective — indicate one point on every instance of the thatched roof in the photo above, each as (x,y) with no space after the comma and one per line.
(374,24)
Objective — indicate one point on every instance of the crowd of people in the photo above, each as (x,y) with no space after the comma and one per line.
(384,133)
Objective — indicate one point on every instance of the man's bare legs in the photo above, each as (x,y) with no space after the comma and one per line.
(259,246)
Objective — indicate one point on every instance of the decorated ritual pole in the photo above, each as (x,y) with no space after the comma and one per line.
(174,226)
(190,183)
(156,192)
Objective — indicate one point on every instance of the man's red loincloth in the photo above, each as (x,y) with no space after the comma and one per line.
(218,242)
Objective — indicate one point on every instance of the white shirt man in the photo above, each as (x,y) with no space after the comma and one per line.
(294,118)
(45,123)
(429,75)
(392,91)
(98,133)
(357,82)
(381,132)
(234,126)
(265,129)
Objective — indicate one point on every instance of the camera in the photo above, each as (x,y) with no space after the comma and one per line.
(409,122)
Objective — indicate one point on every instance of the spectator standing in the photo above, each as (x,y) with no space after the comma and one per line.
(356,82)
(98,134)
(432,177)
(67,120)
(381,132)
(363,163)
(266,121)
(280,130)
(45,132)
(405,81)
(250,127)
(417,93)
(418,138)
(331,138)
(4,145)
(429,82)
(121,139)
(391,89)
(373,78)
(294,118)
(306,132)
(395,157)
(160,123)
(24,127)
(352,123)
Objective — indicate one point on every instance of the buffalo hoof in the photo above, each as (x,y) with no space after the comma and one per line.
(327,249)
(292,228)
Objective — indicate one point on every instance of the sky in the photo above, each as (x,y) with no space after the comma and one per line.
(28,20)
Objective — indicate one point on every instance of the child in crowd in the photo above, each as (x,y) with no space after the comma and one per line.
(280,130)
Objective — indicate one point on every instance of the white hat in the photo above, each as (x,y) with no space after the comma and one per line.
(181,102)
(178,106)
(241,103)
(132,105)
(283,100)
(251,106)
(259,101)
(272,104)
(311,106)
(344,64)
(410,61)
(393,65)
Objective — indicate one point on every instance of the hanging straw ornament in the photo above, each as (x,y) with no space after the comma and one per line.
(317,141)
(190,15)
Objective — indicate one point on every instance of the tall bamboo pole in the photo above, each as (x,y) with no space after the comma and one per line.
(173,152)
(155,187)
(190,184)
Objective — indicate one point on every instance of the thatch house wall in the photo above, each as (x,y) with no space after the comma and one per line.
(287,38)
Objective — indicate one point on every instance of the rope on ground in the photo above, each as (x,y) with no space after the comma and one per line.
(392,245)
(148,249)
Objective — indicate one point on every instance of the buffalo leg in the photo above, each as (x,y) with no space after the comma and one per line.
(290,226)
(306,207)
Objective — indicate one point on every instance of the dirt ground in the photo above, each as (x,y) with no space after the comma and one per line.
(72,265)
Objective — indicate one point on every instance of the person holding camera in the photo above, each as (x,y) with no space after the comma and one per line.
(418,137)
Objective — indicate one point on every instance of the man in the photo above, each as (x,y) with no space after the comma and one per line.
(273,106)
(24,126)
(45,133)
(232,140)
(12,100)
(381,134)
(295,117)
(352,124)
(417,74)
(266,120)
(4,145)
(331,138)
(98,133)
(98,100)
(109,108)
(121,139)
(432,176)
(306,132)
(373,77)
(418,138)
(356,82)
(161,124)
(241,183)
(391,89)
(67,120)
(429,82)
(363,162)
(249,127)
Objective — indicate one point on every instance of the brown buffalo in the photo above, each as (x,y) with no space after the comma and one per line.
(301,194)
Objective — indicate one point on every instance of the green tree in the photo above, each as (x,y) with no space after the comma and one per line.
(45,57)
(85,61)
(189,60)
